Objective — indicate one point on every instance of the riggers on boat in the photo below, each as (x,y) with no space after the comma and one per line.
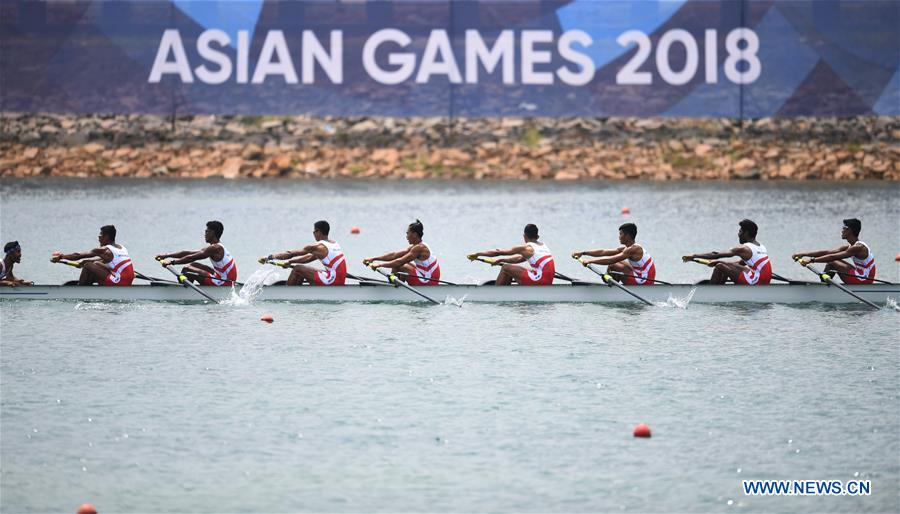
(560,293)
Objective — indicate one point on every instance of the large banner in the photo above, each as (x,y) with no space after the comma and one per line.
(692,58)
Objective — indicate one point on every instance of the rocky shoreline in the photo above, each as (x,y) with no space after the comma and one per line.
(234,147)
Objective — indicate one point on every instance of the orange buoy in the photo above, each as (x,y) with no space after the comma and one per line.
(354,230)
(897,258)
(87,508)
(267,318)
(626,210)
(642,430)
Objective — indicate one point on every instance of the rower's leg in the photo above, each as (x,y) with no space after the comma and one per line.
(724,271)
(508,273)
(300,273)
(197,272)
(409,269)
(839,266)
(93,273)
(620,270)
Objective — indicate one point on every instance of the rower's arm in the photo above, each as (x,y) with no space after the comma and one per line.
(402,259)
(390,256)
(513,259)
(195,256)
(97,254)
(612,259)
(598,253)
(176,255)
(302,259)
(820,253)
(737,251)
(287,254)
(843,253)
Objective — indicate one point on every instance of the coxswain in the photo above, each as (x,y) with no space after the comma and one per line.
(107,265)
(628,263)
(860,269)
(223,271)
(540,269)
(325,250)
(418,264)
(12,255)
(753,269)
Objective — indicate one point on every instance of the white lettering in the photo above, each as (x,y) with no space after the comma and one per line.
(438,45)
(171,42)
(313,52)
(405,61)
(207,37)
(274,44)
(584,62)
(476,51)
(530,57)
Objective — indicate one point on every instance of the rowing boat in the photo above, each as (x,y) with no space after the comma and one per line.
(558,293)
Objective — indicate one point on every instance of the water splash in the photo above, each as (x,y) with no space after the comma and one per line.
(891,304)
(449,300)
(252,288)
(680,303)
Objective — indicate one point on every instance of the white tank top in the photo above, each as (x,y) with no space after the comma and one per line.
(643,265)
(541,256)
(224,266)
(426,265)
(335,256)
(867,263)
(758,258)
(120,259)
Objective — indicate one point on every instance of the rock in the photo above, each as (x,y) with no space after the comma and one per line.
(566,175)
(93,148)
(282,163)
(231,168)
(388,156)
(178,163)
(675,145)
(364,126)
(30,153)
(702,150)
(252,152)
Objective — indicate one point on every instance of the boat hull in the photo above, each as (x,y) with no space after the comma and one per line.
(559,293)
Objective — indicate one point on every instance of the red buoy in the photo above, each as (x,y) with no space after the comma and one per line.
(87,508)
(626,210)
(642,430)
(354,230)
(267,318)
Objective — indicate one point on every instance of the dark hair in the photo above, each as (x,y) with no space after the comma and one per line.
(10,246)
(217,227)
(531,231)
(109,231)
(854,225)
(322,226)
(749,227)
(417,227)
(630,229)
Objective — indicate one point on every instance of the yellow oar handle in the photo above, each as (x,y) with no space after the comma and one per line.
(69,263)
(582,261)
(704,262)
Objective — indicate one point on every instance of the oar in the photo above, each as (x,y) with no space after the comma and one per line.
(486,260)
(74,264)
(613,282)
(824,277)
(843,274)
(405,274)
(183,280)
(778,277)
(397,282)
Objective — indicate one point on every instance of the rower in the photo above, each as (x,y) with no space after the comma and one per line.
(629,263)
(540,268)
(223,271)
(12,255)
(108,265)
(417,261)
(325,250)
(754,267)
(862,268)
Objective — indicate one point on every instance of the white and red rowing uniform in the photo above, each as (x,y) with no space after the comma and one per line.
(121,272)
(541,267)
(335,273)
(643,269)
(224,270)
(863,269)
(3,270)
(760,272)
(427,271)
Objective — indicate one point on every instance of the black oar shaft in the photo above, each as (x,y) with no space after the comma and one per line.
(397,282)
(609,280)
(826,278)
(184,281)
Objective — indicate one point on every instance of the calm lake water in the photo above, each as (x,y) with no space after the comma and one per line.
(140,407)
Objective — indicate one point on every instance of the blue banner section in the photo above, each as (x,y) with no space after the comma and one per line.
(692,58)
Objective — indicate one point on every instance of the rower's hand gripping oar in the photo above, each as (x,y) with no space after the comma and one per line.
(74,264)
(825,277)
(486,260)
(608,280)
(399,283)
(183,280)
